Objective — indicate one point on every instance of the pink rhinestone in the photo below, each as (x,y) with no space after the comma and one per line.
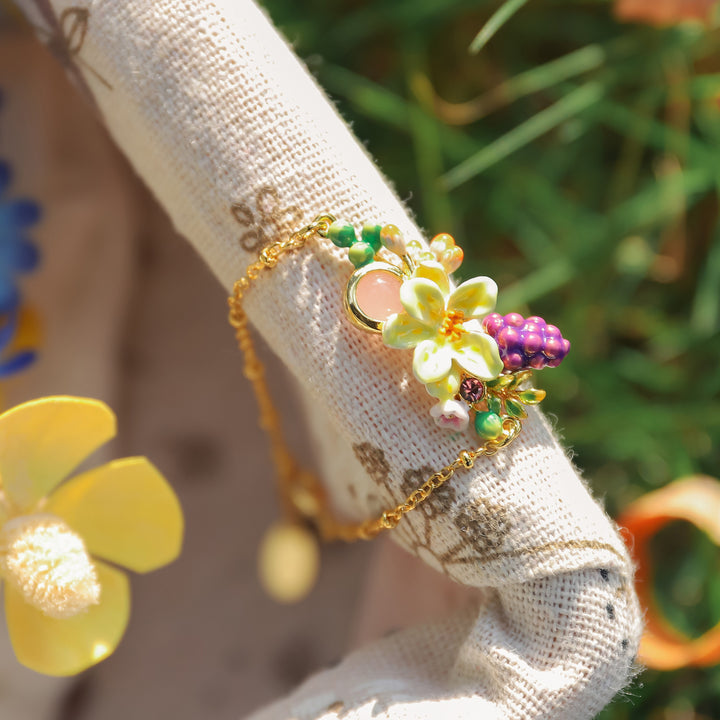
(472,390)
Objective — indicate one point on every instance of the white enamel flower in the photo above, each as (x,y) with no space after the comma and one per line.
(434,323)
(450,415)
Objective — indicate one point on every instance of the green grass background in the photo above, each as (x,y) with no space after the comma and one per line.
(585,180)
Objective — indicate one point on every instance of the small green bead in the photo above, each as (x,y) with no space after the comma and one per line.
(371,235)
(488,425)
(361,253)
(342,234)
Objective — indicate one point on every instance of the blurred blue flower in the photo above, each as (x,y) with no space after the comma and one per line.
(22,358)
(17,253)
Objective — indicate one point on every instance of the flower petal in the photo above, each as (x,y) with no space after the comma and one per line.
(8,329)
(41,441)
(26,256)
(9,295)
(23,212)
(423,300)
(478,354)
(447,387)
(474,298)
(16,363)
(450,415)
(402,331)
(432,270)
(67,646)
(5,176)
(432,361)
(126,513)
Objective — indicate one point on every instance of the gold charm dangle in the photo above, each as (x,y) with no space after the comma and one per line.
(288,561)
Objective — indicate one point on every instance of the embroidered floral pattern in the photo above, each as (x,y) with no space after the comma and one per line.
(267,221)
(481,526)
(485,524)
(66,40)
(373,460)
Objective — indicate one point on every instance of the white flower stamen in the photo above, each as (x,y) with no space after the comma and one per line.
(48,564)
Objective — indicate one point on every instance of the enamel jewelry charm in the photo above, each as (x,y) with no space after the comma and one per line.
(473,361)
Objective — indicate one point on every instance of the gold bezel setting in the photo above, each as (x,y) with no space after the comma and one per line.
(350,303)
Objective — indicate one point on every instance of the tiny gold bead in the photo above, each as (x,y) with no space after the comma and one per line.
(467,459)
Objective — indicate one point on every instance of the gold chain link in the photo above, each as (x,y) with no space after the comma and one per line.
(301,494)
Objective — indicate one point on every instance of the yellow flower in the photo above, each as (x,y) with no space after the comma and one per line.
(66,606)
(436,322)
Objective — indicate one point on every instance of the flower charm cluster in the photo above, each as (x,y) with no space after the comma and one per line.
(471,359)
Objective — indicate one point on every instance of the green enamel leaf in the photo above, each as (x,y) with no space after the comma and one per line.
(533,396)
(514,409)
(519,378)
(494,404)
(500,382)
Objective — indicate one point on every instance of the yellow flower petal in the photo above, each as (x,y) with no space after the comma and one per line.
(474,298)
(432,270)
(125,511)
(478,354)
(42,441)
(68,646)
(447,387)
(402,331)
(432,361)
(423,300)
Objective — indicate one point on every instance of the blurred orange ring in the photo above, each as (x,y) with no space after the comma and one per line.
(695,499)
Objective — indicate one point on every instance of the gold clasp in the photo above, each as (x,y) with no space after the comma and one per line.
(269,255)
(466,459)
(319,226)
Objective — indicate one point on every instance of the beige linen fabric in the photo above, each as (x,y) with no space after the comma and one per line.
(239,145)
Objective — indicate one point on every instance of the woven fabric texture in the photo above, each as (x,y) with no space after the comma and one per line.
(240,146)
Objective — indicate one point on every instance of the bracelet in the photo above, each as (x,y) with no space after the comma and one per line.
(471,360)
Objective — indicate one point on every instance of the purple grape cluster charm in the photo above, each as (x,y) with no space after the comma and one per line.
(526,343)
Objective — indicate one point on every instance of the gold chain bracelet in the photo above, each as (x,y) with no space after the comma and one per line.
(480,372)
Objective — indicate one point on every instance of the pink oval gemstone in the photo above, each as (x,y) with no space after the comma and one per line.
(378,294)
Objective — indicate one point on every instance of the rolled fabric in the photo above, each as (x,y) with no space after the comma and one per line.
(241,147)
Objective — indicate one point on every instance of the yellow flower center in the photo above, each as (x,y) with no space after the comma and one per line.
(44,560)
(451,326)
